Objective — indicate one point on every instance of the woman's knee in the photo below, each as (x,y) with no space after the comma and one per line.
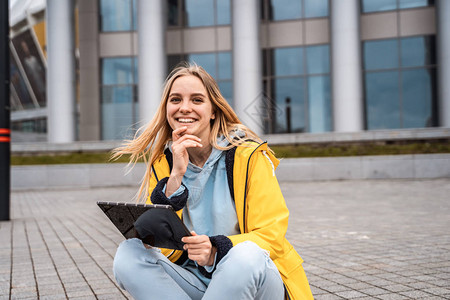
(129,255)
(248,256)
(123,256)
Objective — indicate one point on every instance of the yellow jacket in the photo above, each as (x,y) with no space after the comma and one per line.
(261,210)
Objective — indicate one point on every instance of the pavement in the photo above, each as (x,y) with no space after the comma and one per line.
(360,239)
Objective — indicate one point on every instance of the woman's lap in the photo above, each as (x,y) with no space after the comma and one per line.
(246,272)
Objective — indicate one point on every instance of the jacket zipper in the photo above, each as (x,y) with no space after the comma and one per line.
(245,190)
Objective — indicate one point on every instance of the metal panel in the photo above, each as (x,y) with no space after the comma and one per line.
(379,26)
(417,22)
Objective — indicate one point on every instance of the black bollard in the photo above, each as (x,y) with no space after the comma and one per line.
(5,132)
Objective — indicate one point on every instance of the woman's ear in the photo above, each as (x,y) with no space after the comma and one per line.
(213,116)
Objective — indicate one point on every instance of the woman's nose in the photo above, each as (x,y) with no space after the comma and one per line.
(185,107)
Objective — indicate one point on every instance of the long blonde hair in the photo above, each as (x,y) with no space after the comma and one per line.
(150,140)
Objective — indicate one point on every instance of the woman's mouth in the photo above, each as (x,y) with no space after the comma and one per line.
(185,120)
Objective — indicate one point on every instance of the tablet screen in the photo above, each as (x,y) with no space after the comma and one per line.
(156,225)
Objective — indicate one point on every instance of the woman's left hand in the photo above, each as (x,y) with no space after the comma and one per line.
(199,249)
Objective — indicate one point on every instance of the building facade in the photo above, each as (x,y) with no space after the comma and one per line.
(286,66)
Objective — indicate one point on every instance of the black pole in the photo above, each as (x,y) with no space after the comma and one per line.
(288,115)
(5,136)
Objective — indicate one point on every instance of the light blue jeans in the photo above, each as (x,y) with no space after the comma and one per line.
(246,272)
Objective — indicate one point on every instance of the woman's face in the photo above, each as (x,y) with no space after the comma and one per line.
(189,105)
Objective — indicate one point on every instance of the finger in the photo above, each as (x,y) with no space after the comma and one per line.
(190,144)
(200,259)
(194,238)
(187,137)
(202,252)
(185,142)
(197,247)
(179,132)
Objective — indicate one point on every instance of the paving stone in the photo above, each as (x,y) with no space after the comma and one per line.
(56,290)
(110,297)
(359,286)
(336,288)
(416,294)
(350,294)
(398,288)
(328,297)
(392,297)
(80,293)
(437,291)
(53,297)
(374,291)
(84,298)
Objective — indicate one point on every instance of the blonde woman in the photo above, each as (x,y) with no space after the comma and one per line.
(220,178)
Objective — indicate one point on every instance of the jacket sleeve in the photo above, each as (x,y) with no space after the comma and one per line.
(158,196)
(266,214)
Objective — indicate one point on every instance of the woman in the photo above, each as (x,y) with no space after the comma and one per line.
(220,178)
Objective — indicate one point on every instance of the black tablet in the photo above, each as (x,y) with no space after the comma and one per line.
(156,225)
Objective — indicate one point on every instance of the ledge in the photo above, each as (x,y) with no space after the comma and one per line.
(417,166)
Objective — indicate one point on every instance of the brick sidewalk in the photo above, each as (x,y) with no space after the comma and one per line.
(359,239)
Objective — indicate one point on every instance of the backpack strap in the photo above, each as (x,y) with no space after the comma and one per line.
(229,166)
(169,158)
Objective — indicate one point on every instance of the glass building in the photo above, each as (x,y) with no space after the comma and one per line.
(286,66)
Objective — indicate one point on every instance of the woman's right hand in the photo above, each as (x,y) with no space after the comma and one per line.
(181,142)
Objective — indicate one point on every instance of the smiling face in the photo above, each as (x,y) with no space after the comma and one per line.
(189,105)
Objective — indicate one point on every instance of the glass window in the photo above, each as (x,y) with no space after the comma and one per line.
(117,71)
(223,12)
(378,5)
(299,101)
(117,120)
(224,67)
(404,98)
(382,100)
(226,89)
(318,59)
(288,94)
(319,104)
(383,5)
(116,15)
(35,125)
(418,95)
(118,97)
(285,9)
(174,60)
(173,17)
(206,60)
(134,15)
(381,54)
(316,8)
(28,59)
(195,13)
(417,51)
(117,94)
(288,61)
(19,88)
(414,3)
(199,13)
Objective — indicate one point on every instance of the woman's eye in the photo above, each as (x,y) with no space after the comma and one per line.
(175,100)
(197,100)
